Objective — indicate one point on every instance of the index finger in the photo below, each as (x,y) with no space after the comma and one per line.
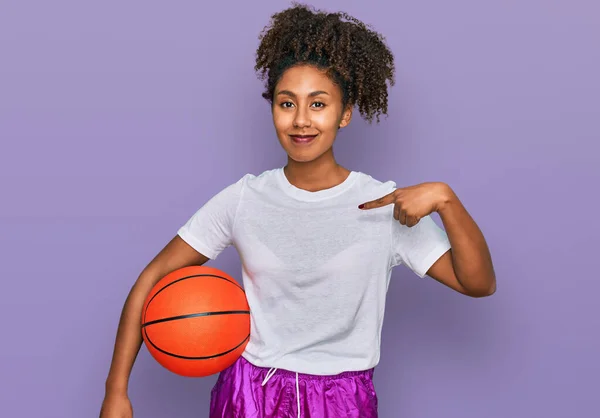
(377,203)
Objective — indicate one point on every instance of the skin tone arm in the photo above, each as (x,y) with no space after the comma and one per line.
(467,267)
(176,254)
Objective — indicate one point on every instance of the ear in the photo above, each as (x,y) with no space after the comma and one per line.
(346,117)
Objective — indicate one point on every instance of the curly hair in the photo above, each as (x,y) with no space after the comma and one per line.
(354,56)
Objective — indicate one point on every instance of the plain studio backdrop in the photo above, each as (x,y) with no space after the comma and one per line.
(118,120)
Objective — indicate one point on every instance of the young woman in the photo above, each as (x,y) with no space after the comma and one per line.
(317,241)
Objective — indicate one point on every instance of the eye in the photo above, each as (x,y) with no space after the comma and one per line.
(288,105)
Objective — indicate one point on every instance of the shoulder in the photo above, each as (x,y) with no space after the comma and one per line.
(372,188)
(263,181)
(249,181)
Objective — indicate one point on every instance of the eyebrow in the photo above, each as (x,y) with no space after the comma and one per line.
(291,94)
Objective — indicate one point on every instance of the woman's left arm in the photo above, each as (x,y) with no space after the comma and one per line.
(467,267)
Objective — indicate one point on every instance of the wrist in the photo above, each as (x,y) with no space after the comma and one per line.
(445,196)
(116,387)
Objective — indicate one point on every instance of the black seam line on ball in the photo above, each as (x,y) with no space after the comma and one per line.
(191,277)
(195,358)
(194,315)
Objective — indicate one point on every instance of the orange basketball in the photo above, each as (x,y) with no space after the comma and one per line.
(196,321)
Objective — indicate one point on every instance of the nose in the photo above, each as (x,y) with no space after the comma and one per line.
(301,118)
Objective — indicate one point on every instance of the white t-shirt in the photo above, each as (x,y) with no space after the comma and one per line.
(315,268)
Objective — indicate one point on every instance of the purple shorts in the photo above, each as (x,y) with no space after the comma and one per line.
(240,393)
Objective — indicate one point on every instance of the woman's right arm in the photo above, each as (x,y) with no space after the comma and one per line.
(176,254)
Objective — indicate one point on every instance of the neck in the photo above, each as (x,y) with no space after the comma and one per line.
(322,173)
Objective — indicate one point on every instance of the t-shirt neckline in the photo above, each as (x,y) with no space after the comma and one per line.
(309,196)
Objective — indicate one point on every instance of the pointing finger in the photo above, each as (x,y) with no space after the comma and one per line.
(382,201)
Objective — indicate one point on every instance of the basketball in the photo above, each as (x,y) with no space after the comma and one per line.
(196,321)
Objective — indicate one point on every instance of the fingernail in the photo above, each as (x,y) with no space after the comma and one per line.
(361,206)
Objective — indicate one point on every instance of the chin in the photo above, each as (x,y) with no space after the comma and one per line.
(302,158)
(307,155)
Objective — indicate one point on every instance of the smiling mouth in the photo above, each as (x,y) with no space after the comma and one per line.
(302,139)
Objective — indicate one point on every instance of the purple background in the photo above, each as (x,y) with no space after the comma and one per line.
(119,119)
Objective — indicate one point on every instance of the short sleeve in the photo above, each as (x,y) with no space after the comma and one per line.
(210,230)
(418,247)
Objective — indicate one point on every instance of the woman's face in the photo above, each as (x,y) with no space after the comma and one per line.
(307,113)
